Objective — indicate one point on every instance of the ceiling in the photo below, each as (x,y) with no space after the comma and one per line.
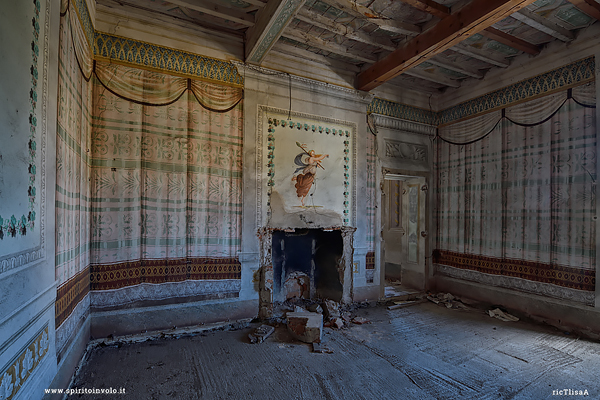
(412,43)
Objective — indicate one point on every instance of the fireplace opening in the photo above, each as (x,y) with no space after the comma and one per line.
(306,264)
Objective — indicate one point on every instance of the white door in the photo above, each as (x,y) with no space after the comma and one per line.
(404,229)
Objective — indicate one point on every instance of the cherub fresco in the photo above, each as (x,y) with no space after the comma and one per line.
(308,162)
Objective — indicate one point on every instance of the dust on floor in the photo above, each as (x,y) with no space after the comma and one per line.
(425,351)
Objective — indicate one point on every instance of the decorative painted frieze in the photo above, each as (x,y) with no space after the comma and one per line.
(573,74)
(576,73)
(402,111)
(16,372)
(165,59)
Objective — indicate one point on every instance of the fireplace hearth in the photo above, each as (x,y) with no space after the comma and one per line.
(305,264)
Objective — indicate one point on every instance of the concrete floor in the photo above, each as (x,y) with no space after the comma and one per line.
(424,351)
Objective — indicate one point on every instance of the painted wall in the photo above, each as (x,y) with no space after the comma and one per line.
(28,76)
(312,103)
(73,180)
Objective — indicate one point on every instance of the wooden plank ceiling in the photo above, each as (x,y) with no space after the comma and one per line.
(431,45)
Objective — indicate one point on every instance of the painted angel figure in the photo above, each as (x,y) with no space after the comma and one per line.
(304,176)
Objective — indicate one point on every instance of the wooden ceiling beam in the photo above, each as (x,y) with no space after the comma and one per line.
(510,40)
(441,11)
(451,30)
(590,7)
(319,43)
(543,25)
(271,21)
(353,8)
(316,19)
(217,10)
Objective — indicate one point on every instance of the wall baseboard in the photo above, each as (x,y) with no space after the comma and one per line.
(146,319)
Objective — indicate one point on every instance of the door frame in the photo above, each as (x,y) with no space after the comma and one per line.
(427,267)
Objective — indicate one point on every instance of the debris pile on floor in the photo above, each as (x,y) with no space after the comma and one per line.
(448,300)
(502,315)
(261,333)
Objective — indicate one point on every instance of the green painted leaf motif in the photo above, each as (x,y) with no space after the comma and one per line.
(170,224)
(148,225)
(197,187)
(211,225)
(99,142)
(147,147)
(183,115)
(215,190)
(122,144)
(106,182)
(110,103)
(101,225)
(182,149)
(153,183)
(204,153)
(177,185)
(560,163)
(131,182)
(127,227)
(165,149)
(557,236)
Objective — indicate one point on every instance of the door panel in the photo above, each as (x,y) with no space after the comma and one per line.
(393,230)
(404,230)
(414,200)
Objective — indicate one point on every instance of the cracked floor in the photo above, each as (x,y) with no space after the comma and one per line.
(420,352)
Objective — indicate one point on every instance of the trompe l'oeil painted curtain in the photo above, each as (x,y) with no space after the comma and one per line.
(520,202)
(73,173)
(72,160)
(166,177)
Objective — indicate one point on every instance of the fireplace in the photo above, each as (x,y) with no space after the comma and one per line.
(305,264)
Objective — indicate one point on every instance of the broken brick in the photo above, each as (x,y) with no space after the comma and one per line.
(305,326)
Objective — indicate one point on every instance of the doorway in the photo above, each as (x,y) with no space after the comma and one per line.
(403,233)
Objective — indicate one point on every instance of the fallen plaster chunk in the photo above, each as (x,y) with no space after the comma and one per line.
(321,348)
(305,326)
(316,308)
(360,320)
(331,309)
(448,300)
(337,323)
(402,304)
(261,333)
(502,316)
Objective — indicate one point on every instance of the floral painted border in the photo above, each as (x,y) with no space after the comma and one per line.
(160,58)
(570,75)
(13,226)
(15,374)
